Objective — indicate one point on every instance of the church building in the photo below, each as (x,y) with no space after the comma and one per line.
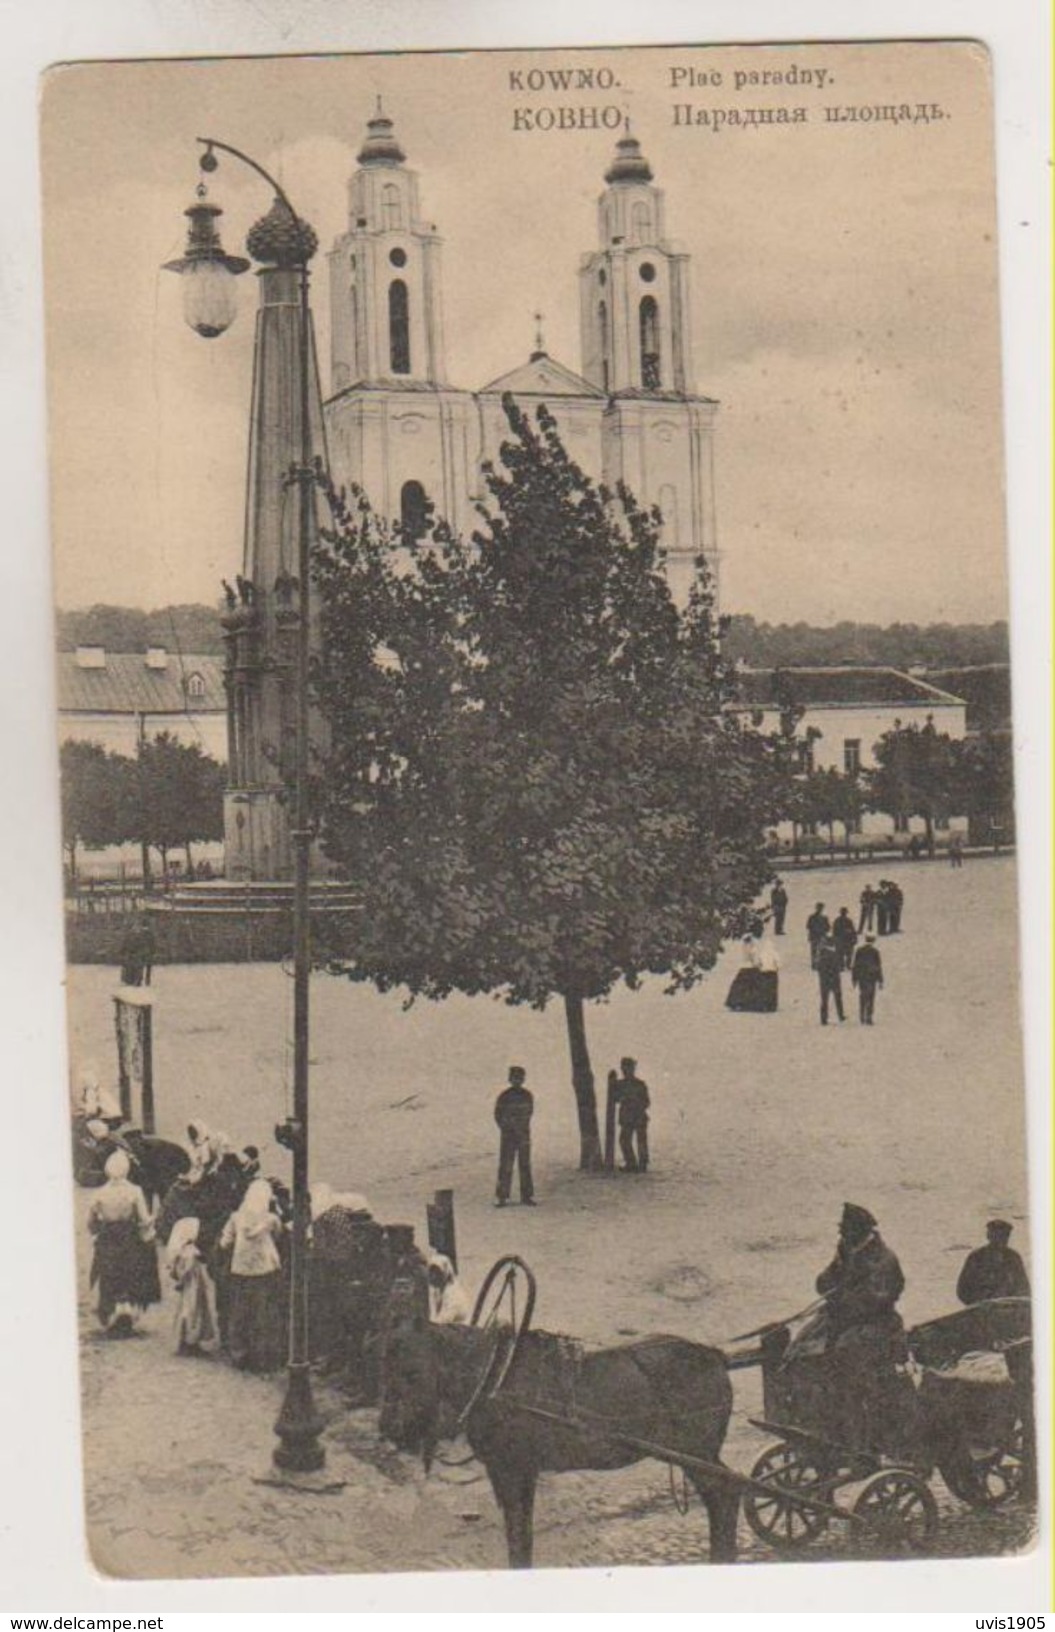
(398,428)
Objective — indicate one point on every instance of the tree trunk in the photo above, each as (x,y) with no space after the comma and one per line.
(71,851)
(190,859)
(590,1159)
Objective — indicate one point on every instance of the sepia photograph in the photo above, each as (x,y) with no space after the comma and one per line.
(534,720)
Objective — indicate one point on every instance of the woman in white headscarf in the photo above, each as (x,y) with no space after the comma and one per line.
(124,1263)
(195,1318)
(255,1321)
(449,1303)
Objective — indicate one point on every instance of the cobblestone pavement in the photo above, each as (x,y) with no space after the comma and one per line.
(762,1127)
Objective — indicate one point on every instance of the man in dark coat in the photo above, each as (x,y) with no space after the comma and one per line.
(845,936)
(866,974)
(632,1098)
(817,927)
(829,971)
(868,908)
(882,906)
(778,900)
(993,1271)
(865,1334)
(513,1111)
(895,902)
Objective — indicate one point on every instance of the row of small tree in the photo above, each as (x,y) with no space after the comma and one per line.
(918,772)
(168,797)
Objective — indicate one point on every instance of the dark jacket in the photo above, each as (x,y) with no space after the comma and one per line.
(817,926)
(992,1272)
(844,931)
(829,963)
(867,967)
(631,1095)
(862,1285)
(513,1109)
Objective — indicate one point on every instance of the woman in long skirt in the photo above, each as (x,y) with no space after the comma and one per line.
(255,1320)
(124,1263)
(195,1319)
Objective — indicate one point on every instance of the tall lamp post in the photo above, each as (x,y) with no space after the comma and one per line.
(209,308)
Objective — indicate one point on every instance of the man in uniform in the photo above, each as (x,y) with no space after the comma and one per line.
(778,900)
(868,908)
(845,936)
(513,1111)
(993,1271)
(866,974)
(817,927)
(632,1098)
(861,1287)
(829,971)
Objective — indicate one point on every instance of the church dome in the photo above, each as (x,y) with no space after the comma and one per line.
(629,163)
(381,145)
(279,238)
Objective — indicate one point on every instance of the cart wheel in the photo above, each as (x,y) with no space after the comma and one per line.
(988,1476)
(786,1524)
(900,1511)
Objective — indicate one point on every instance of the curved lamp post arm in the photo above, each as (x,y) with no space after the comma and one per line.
(210,142)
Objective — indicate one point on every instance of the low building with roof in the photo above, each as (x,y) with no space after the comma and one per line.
(120,699)
(845,710)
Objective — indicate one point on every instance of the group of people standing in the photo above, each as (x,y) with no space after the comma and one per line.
(840,946)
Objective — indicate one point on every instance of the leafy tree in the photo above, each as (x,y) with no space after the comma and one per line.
(914,774)
(97,798)
(829,796)
(901,645)
(530,773)
(179,797)
(985,783)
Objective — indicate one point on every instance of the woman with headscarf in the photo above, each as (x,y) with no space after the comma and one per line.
(195,1319)
(449,1303)
(255,1318)
(124,1263)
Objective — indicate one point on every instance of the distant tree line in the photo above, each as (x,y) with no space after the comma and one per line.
(169,797)
(195,627)
(899,645)
(190,628)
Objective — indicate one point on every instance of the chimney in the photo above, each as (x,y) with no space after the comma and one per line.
(157,658)
(90,657)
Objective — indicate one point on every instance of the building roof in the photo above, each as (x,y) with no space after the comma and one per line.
(542,376)
(123,684)
(839,687)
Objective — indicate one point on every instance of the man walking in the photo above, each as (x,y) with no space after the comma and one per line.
(778,900)
(866,975)
(817,927)
(632,1098)
(845,936)
(513,1110)
(829,967)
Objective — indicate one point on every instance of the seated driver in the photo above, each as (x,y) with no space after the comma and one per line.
(861,1287)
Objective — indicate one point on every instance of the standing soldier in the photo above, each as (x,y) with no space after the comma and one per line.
(845,936)
(632,1097)
(867,974)
(817,927)
(882,906)
(513,1109)
(829,967)
(868,908)
(896,900)
(778,900)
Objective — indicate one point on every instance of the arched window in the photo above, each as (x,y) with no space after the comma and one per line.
(398,327)
(413,512)
(639,224)
(391,208)
(602,325)
(668,507)
(648,318)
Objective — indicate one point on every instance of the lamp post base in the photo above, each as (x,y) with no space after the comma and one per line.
(298,1426)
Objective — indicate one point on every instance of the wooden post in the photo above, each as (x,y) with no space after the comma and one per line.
(147,1041)
(124,1078)
(440,1214)
(609,1124)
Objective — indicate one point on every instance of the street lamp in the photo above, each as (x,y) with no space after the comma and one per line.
(209,309)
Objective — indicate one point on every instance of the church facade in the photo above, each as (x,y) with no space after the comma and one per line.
(397,428)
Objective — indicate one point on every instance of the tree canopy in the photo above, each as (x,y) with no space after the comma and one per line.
(531,776)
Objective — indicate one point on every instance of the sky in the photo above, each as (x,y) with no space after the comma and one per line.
(843,280)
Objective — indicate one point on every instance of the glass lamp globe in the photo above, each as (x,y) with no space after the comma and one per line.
(209,304)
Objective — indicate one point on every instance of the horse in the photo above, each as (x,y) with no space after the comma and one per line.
(559,1409)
